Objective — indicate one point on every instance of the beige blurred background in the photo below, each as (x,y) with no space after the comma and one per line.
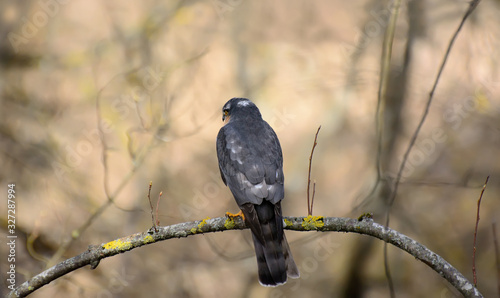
(154,76)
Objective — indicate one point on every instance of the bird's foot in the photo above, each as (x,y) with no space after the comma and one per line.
(231,215)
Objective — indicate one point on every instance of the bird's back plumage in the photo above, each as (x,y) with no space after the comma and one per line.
(251,165)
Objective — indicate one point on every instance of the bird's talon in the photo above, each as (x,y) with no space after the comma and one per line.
(232,215)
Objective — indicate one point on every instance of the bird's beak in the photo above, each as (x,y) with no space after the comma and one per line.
(225,119)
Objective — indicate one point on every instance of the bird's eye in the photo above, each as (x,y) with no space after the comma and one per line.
(226,112)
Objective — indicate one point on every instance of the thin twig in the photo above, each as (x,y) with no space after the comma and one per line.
(497,254)
(475,232)
(312,199)
(150,204)
(156,213)
(309,205)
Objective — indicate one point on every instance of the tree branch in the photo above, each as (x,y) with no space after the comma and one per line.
(365,226)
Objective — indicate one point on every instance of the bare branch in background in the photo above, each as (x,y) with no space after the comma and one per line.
(310,201)
(413,139)
(475,232)
(138,157)
(471,8)
(382,94)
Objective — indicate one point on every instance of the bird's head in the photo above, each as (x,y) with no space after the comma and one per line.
(239,108)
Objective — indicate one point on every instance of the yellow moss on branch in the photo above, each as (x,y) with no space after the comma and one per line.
(313,222)
(118,244)
(229,223)
(200,225)
(148,239)
(287,222)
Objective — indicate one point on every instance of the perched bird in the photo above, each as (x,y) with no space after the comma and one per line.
(251,165)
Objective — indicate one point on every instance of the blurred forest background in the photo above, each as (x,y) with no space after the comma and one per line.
(151,77)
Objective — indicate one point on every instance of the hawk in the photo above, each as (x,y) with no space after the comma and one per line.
(251,165)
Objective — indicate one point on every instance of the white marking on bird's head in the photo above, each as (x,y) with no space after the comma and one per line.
(244,103)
